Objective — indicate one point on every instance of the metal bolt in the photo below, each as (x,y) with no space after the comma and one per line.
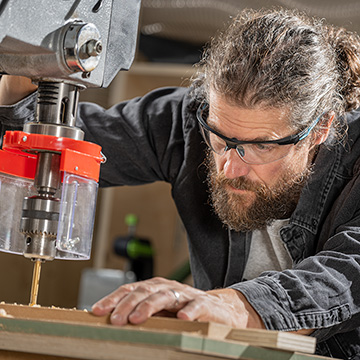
(24,138)
(93,47)
(98,47)
(85,74)
(76,168)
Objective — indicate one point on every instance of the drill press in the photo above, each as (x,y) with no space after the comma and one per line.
(48,173)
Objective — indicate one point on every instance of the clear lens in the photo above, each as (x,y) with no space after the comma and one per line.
(255,154)
(264,153)
(214,142)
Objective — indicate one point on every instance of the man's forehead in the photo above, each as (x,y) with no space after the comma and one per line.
(244,123)
(219,100)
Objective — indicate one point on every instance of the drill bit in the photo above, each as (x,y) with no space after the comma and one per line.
(35,282)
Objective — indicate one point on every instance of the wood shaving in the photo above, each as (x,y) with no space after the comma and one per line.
(3,313)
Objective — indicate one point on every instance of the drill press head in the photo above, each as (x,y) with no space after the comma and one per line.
(57,214)
(48,174)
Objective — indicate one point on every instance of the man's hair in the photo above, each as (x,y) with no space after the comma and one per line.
(283,58)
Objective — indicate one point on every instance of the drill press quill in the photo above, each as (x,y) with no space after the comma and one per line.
(48,173)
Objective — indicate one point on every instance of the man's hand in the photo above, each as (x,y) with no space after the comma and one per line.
(134,303)
(14,88)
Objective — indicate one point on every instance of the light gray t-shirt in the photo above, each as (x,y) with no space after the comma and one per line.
(267,251)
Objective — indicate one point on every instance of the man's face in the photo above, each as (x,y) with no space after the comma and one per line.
(245,196)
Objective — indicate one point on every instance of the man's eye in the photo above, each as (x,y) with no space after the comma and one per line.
(264,147)
(215,140)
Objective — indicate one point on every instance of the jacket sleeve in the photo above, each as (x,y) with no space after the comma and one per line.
(15,116)
(321,292)
(142,138)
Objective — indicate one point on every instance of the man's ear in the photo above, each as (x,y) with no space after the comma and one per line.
(323,132)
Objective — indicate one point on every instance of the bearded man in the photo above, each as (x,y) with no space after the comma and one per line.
(264,175)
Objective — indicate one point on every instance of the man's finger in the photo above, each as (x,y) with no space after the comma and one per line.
(194,309)
(143,303)
(109,302)
(129,303)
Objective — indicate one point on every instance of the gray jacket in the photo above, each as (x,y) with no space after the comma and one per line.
(156,138)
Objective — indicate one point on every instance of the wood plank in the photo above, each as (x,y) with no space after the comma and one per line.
(17,355)
(230,350)
(213,330)
(82,324)
(67,347)
(92,349)
(274,339)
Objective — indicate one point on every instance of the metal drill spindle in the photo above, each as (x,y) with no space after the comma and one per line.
(55,116)
(35,282)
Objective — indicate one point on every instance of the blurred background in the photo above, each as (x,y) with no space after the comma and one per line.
(137,230)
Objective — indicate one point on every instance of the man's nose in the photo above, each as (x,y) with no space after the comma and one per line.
(234,166)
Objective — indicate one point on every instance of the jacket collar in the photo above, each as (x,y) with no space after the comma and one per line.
(309,212)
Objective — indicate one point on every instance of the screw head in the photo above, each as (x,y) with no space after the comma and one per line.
(93,47)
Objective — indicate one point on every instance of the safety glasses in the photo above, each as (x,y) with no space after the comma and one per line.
(251,152)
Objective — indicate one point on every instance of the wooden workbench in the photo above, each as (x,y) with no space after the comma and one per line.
(54,334)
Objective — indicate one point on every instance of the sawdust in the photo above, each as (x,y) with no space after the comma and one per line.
(43,307)
(3,313)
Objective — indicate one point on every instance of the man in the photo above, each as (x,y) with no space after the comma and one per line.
(262,131)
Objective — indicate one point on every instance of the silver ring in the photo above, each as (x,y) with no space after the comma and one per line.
(177,297)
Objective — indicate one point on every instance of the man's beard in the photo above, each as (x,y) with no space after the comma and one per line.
(277,202)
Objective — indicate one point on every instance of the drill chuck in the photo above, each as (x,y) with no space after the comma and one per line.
(39,223)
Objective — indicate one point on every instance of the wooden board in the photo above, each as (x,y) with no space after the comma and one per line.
(79,334)
(274,339)
(213,330)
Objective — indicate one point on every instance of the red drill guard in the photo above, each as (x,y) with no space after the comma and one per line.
(20,149)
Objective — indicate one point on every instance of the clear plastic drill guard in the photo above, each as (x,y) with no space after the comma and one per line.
(12,192)
(76,219)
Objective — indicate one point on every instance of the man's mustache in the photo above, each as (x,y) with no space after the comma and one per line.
(240,183)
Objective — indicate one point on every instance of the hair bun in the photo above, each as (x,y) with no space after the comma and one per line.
(346,45)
